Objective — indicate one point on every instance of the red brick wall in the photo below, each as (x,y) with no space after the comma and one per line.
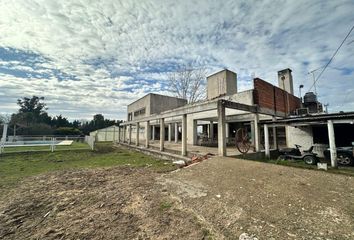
(273,98)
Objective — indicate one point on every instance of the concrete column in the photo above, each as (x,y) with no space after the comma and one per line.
(169,132)
(266,141)
(137,134)
(184,135)
(332,144)
(275,142)
(162,134)
(176,132)
(221,130)
(119,134)
(153,132)
(211,130)
(252,135)
(130,134)
(147,134)
(227,127)
(4,132)
(256,133)
(124,133)
(195,132)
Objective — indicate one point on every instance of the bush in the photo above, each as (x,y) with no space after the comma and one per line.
(64,131)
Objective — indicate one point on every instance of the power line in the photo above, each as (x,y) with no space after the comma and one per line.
(330,60)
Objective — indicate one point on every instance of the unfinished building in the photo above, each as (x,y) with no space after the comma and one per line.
(213,123)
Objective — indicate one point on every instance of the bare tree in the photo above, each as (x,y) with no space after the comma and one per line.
(188,83)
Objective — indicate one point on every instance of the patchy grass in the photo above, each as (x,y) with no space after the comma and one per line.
(15,166)
(165,205)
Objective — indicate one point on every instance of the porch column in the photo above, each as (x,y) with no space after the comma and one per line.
(275,143)
(227,130)
(176,132)
(256,133)
(162,134)
(184,135)
(147,134)
(211,130)
(332,144)
(137,134)
(130,134)
(221,130)
(118,133)
(124,133)
(153,132)
(266,141)
(195,132)
(169,132)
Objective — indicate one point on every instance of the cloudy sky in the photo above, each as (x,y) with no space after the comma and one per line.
(88,57)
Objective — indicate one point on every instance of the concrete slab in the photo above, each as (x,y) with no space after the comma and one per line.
(192,149)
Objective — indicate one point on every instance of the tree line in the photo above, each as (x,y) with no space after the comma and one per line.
(32,119)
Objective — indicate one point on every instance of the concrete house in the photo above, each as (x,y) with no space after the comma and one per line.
(266,112)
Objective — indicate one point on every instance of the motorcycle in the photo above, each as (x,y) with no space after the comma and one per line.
(295,154)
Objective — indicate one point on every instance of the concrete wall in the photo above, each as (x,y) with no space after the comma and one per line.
(285,80)
(154,103)
(302,136)
(160,103)
(106,134)
(221,83)
(141,103)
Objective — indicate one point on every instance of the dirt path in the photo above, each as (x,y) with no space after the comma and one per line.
(267,201)
(118,203)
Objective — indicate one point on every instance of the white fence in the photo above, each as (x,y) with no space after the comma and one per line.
(90,140)
(45,143)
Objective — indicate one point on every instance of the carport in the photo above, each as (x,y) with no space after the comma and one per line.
(343,119)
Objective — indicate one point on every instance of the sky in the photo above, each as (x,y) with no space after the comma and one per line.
(88,57)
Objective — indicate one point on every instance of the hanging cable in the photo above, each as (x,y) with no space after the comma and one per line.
(330,60)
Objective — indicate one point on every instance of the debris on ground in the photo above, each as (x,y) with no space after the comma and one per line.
(199,158)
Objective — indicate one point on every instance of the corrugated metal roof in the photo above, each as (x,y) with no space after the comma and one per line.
(310,118)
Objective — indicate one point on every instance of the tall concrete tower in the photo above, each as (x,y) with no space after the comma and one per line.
(223,83)
(285,80)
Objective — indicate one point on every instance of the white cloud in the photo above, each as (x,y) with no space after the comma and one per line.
(108,50)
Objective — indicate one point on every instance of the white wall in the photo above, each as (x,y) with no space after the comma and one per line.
(302,136)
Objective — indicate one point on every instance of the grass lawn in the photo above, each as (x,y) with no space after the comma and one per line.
(15,166)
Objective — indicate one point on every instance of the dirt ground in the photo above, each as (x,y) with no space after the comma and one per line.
(220,198)
(237,198)
(117,203)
